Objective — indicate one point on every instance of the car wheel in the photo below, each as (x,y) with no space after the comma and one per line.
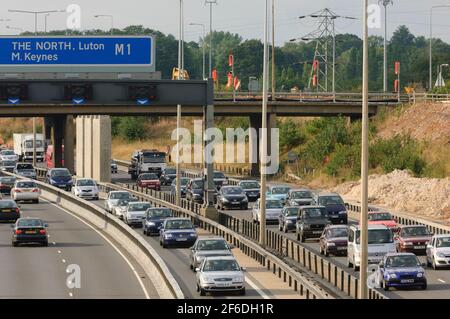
(36,201)
(45,244)
(164,245)
(320,250)
(350,265)
(298,236)
(15,244)
(428,262)
(423,287)
(355,268)
(433,264)
(285,229)
(242,292)
(144,231)
(302,237)
(326,253)
(280,228)
(202,292)
(385,287)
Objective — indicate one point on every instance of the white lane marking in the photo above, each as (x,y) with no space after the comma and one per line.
(54,243)
(147,296)
(64,261)
(59,251)
(70,294)
(441,281)
(254,286)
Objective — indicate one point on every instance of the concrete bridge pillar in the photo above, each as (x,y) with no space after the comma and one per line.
(69,143)
(57,136)
(254,150)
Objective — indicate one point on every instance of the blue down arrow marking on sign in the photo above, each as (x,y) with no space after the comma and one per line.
(78,101)
(143,101)
(13,101)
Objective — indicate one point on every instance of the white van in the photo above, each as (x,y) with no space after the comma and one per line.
(380,242)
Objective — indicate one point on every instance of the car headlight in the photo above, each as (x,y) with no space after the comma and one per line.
(289,221)
(344,212)
(196,195)
(441,255)
(407,244)
(238,279)
(168,235)
(150,223)
(392,276)
(306,226)
(331,244)
(193,234)
(225,200)
(207,279)
(419,274)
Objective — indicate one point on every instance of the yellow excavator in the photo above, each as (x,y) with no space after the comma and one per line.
(184,75)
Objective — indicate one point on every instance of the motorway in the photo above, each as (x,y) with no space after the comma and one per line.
(40,272)
(438,280)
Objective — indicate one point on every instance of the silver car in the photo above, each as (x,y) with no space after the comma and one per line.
(220,274)
(86,188)
(273,210)
(135,214)
(208,247)
(120,209)
(114,197)
(438,251)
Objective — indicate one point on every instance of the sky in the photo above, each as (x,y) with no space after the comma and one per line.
(245,17)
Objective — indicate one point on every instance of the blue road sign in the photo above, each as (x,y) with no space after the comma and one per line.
(73,52)
(143,101)
(13,100)
(78,101)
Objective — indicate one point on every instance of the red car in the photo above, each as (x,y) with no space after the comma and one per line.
(413,239)
(383,218)
(149,180)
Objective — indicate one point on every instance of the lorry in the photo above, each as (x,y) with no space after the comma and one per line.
(23,146)
(144,161)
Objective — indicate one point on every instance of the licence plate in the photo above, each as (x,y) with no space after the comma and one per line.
(235,202)
(223,284)
(407,281)
(6,211)
(30,232)
(341,248)
(182,239)
(26,190)
(317,232)
(419,247)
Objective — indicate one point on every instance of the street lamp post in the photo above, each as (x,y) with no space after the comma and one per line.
(210,2)
(385,80)
(431,44)
(203,47)
(107,16)
(180,67)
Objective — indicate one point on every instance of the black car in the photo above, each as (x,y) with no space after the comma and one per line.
(7,166)
(6,184)
(195,190)
(154,217)
(288,218)
(29,231)
(9,211)
(311,222)
(334,205)
(299,197)
(114,168)
(232,197)
(183,183)
(26,170)
(251,189)
(168,175)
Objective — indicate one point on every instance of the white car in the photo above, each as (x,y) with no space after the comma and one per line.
(135,214)
(438,251)
(114,197)
(220,274)
(120,209)
(274,208)
(86,188)
(26,190)
(8,155)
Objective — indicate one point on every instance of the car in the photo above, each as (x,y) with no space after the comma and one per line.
(29,231)
(7,166)
(60,177)
(184,181)
(26,190)
(220,274)
(288,218)
(273,210)
(6,183)
(383,218)
(114,197)
(334,240)
(8,155)
(251,188)
(438,251)
(232,197)
(195,190)
(168,175)
(278,192)
(26,170)
(9,211)
(208,247)
(299,197)
(380,243)
(135,213)
(149,180)
(114,169)
(413,239)
(401,270)
(177,231)
(154,218)
(311,222)
(86,188)
(220,179)
(335,206)
(119,210)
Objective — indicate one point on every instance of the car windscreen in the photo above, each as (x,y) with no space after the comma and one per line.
(232,190)
(212,244)
(249,185)
(339,232)
(280,190)
(29,184)
(301,194)
(30,223)
(379,216)
(221,265)
(7,180)
(219,175)
(24,167)
(148,177)
(402,261)
(121,195)
(377,236)
(125,202)
(179,224)
(8,153)
(139,207)
(159,213)
(85,182)
(8,163)
(198,184)
(7,204)
(170,171)
(154,157)
(443,242)
(414,231)
(330,200)
(60,173)
(29,144)
(315,213)
(291,211)
(271,204)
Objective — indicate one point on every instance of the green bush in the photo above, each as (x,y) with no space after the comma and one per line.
(345,157)
(131,128)
(290,134)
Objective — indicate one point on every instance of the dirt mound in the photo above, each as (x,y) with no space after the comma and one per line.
(422,121)
(399,190)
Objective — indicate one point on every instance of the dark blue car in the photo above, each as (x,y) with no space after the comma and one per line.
(335,206)
(154,218)
(177,232)
(401,270)
(60,177)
